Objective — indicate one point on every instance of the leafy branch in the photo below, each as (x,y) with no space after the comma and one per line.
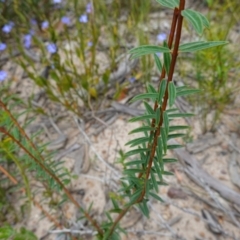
(142,175)
(37,161)
(157,132)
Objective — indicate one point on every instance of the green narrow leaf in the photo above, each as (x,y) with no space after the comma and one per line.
(155,196)
(121,229)
(160,152)
(181,88)
(154,182)
(176,135)
(158,116)
(174,146)
(193,18)
(169,160)
(151,89)
(171,93)
(158,62)
(142,118)
(136,151)
(147,49)
(181,115)
(137,141)
(158,170)
(136,162)
(135,196)
(180,127)
(164,139)
(201,45)
(132,171)
(166,121)
(168,173)
(187,92)
(148,108)
(115,210)
(162,183)
(169,3)
(109,216)
(162,89)
(152,96)
(141,129)
(204,20)
(131,179)
(144,208)
(167,59)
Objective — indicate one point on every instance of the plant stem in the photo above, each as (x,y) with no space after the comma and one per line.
(43,167)
(177,20)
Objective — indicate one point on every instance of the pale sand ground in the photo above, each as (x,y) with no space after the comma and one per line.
(189,226)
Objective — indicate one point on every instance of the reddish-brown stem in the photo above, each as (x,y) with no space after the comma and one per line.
(163,73)
(177,20)
(14,181)
(170,75)
(41,164)
(170,42)
(19,127)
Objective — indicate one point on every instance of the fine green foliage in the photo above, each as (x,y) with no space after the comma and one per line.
(144,172)
(201,45)
(166,59)
(147,49)
(145,164)
(215,71)
(197,20)
(169,3)
(7,232)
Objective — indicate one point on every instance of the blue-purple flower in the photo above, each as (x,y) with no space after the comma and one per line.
(3,75)
(52,48)
(66,20)
(89,8)
(33,21)
(90,44)
(83,18)
(7,28)
(57,1)
(3,46)
(27,40)
(132,79)
(44,25)
(161,37)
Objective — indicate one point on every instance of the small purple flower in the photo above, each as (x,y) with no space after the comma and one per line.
(44,25)
(83,18)
(27,40)
(33,22)
(161,37)
(31,32)
(159,54)
(89,8)
(66,20)
(90,44)
(3,75)
(132,79)
(52,48)
(57,1)
(7,28)
(3,46)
